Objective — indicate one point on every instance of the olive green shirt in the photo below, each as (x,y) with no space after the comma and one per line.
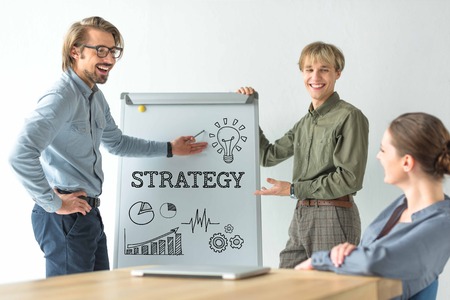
(329,146)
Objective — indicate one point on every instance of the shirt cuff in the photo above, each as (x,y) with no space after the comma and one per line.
(321,260)
(50,206)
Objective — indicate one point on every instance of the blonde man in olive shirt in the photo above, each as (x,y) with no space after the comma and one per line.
(329,145)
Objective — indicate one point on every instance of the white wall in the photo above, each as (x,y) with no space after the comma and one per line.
(397,61)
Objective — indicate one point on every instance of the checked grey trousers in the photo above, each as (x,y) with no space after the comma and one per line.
(316,228)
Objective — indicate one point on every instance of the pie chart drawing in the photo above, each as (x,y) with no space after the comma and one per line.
(141,213)
(168,210)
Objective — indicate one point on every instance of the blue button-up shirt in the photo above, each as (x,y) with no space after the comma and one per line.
(59,145)
(415,252)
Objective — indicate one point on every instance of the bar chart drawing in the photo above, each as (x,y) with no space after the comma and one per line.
(168,243)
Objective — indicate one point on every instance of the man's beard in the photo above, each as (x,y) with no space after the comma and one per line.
(93,77)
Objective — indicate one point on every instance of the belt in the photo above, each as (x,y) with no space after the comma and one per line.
(343,201)
(92,201)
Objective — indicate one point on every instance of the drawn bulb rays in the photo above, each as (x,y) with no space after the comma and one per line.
(228,138)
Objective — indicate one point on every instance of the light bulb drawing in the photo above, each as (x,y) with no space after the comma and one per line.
(228,138)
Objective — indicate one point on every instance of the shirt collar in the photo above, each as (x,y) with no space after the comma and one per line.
(84,88)
(326,106)
(430,210)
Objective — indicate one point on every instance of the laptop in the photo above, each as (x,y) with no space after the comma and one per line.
(230,272)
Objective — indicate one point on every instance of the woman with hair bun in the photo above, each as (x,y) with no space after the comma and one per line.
(407,240)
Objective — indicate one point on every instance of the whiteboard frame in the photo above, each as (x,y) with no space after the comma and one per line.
(191,99)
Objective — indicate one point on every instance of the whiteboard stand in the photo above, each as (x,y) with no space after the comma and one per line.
(198,209)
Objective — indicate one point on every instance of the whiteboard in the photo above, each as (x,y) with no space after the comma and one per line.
(196,209)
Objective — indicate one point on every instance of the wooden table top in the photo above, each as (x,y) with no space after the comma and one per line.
(278,284)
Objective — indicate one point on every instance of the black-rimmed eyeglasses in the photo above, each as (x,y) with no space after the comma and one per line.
(102,51)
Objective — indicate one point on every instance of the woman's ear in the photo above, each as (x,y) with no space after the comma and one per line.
(408,163)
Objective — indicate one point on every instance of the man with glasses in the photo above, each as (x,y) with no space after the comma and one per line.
(57,155)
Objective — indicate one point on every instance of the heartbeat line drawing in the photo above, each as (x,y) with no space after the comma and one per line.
(203,221)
